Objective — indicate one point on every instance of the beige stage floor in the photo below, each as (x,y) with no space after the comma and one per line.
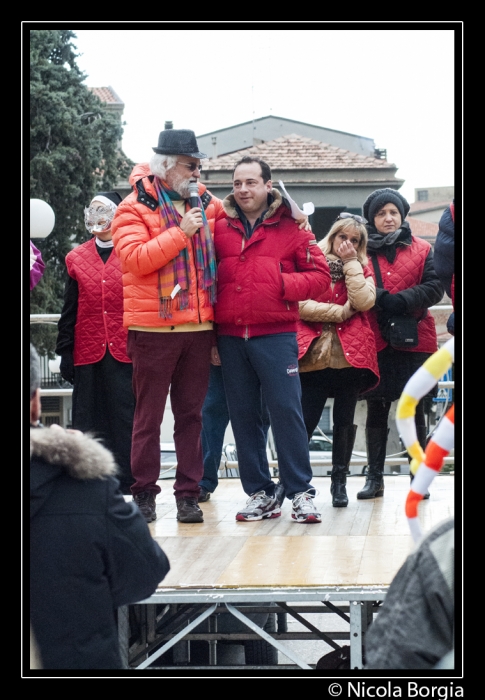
(363,544)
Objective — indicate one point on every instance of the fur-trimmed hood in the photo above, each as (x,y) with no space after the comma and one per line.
(56,453)
(80,455)
(229,204)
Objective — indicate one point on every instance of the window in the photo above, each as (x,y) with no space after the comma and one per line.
(422,195)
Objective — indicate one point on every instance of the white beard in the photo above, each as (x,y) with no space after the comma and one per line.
(178,183)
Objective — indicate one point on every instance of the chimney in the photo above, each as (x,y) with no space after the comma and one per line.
(168,125)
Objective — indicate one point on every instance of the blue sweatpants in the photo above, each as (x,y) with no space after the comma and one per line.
(215,419)
(267,363)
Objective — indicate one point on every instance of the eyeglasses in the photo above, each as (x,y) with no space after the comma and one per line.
(348,215)
(191,166)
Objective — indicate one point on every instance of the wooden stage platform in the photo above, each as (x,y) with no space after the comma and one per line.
(361,545)
(352,556)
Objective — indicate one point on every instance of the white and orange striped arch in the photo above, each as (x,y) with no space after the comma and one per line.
(425,464)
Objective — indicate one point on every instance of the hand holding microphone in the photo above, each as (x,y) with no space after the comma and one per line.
(192,218)
(194,197)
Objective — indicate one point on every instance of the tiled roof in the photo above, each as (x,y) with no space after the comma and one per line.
(106,94)
(427,206)
(294,152)
(423,229)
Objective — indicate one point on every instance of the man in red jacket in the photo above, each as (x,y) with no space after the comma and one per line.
(266,265)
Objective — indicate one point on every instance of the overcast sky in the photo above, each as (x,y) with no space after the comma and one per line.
(394,86)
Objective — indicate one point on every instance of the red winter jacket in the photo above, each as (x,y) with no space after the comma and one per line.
(144,247)
(355,333)
(261,280)
(99,320)
(413,274)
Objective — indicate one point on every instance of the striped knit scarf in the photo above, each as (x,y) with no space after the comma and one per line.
(174,277)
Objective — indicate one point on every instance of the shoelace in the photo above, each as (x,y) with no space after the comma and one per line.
(304,500)
(256,499)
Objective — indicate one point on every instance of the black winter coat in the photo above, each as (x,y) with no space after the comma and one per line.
(444,258)
(444,250)
(90,551)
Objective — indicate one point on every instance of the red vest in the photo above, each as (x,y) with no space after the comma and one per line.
(99,321)
(407,271)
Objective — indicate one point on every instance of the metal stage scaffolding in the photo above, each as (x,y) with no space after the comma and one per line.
(171,619)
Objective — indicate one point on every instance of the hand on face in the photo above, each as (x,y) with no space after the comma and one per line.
(346,251)
(345,244)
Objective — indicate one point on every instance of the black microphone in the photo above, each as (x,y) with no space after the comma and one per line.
(194,194)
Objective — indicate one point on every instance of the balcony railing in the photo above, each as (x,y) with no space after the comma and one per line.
(52,384)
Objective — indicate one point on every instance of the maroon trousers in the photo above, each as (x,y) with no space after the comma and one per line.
(179,363)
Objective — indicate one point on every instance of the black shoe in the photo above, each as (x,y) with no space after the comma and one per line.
(188,511)
(204,495)
(338,491)
(145,500)
(374,487)
(342,446)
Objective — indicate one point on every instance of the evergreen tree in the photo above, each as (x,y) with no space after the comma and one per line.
(74,153)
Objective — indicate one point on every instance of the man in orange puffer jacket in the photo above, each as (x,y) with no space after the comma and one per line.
(166,250)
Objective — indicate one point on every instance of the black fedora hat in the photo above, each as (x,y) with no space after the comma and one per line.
(178,142)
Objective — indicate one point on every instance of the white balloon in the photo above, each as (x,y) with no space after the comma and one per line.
(42,218)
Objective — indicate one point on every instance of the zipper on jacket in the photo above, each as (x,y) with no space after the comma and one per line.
(309,256)
(287,302)
(246,333)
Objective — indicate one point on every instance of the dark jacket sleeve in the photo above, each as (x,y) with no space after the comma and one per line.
(312,274)
(67,321)
(444,250)
(428,293)
(138,563)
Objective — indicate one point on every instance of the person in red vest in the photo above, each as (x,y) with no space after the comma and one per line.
(91,339)
(406,285)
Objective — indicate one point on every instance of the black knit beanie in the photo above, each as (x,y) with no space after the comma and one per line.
(379,198)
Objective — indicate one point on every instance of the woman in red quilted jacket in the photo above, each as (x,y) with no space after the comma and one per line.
(337,350)
(409,287)
(91,338)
